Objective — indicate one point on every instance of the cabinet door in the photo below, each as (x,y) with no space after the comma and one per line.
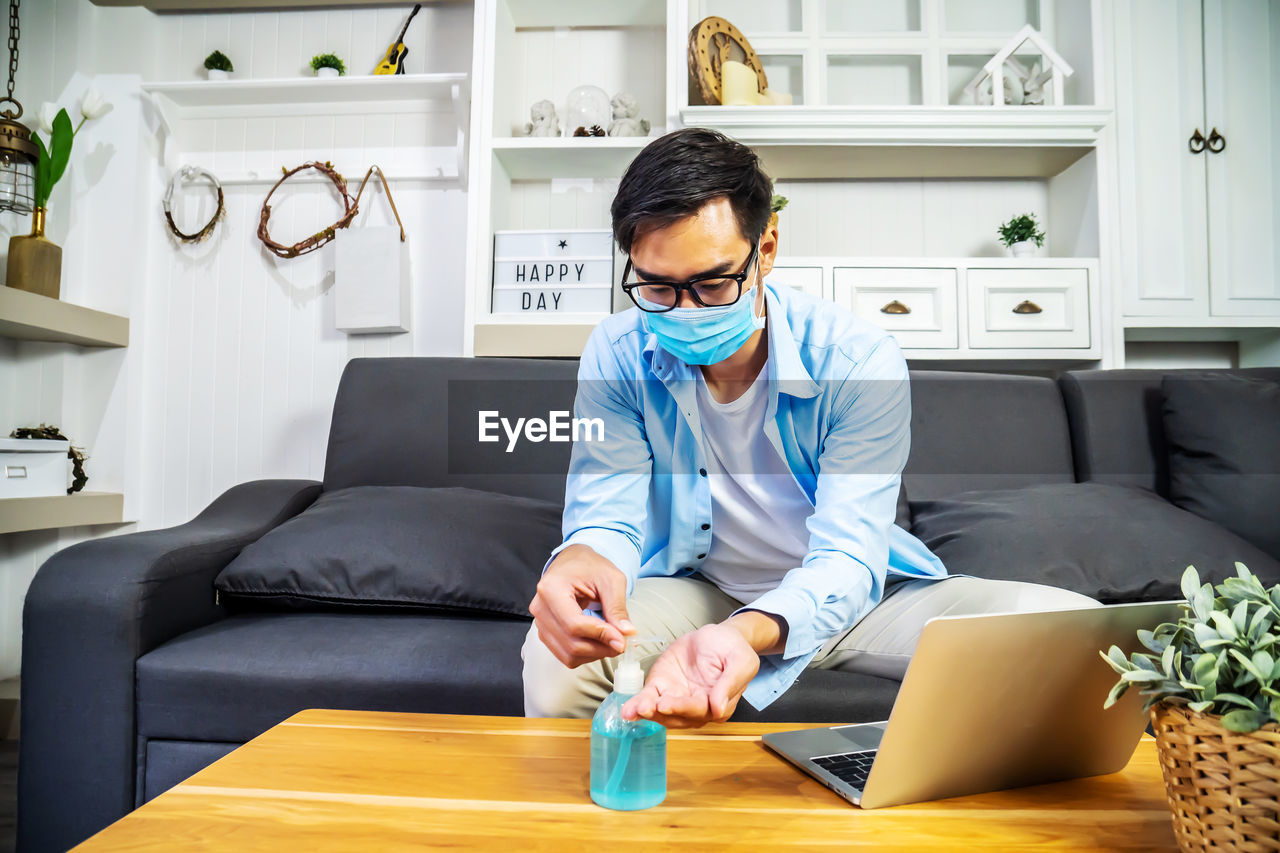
(1242,102)
(1159,105)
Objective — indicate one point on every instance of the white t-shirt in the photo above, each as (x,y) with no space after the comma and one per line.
(758,511)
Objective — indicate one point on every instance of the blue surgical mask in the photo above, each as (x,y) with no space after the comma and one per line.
(705,335)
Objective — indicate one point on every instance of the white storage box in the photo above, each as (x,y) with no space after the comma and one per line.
(34,467)
(540,273)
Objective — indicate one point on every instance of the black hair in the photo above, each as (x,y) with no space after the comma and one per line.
(676,174)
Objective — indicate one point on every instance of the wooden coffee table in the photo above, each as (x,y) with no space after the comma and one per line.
(354,780)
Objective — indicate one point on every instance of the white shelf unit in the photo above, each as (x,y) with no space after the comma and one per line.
(187,110)
(896,52)
(912,171)
(961,309)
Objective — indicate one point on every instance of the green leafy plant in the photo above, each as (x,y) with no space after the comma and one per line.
(1021,228)
(218,61)
(56,125)
(327,60)
(779,202)
(1219,657)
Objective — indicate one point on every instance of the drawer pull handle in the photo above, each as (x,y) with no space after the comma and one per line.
(15,472)
(895,307)
(1026,306)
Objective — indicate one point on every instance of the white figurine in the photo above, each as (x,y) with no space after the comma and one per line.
(625,122)
(545,121)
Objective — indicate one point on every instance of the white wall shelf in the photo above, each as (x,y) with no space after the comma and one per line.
(32,317)
(557,339)
(186,100)
(533,158)
(74,510)
(915,142)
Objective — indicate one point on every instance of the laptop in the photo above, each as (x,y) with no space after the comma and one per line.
(989,702)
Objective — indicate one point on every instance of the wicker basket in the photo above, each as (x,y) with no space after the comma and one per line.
(1223,786)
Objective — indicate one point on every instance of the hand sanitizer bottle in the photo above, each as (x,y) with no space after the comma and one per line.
(628,758)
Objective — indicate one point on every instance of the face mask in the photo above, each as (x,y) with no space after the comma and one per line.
(705,335)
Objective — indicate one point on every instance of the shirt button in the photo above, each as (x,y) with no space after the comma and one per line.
(706,527)
(702,471)
(700,556)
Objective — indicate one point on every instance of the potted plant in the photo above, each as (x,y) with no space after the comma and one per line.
(327,65)
(35,262)
(1022,235)
(779,202)
(217,66)
(1211,682)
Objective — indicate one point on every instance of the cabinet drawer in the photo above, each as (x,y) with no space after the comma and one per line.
(917,305)
(808,279)
(1028,308)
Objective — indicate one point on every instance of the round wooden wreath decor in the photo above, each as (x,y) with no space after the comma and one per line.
(711,43)
(187,174)
(315,241)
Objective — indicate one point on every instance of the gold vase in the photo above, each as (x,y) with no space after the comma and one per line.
(35,263)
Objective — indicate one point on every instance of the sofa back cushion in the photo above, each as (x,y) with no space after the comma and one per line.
(414,421)
(1117,429)
(1223,434)
(972,431)
(401,547)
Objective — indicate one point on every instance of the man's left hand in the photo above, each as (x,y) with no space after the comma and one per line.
(697,680)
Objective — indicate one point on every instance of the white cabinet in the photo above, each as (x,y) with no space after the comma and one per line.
(1198,127)
(965,309)
(892,179)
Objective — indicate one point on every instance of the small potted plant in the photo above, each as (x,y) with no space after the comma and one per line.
(1022,235)
(327,65)
(217,66)
(778,203)
(1212,682)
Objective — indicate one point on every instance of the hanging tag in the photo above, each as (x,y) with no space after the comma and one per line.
(371,280)
(371,273)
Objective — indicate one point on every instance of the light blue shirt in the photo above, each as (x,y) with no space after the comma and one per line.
(839,414)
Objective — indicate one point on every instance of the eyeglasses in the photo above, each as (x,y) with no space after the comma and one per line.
(709,291)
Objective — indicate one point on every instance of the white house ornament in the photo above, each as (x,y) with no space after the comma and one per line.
(1037,85)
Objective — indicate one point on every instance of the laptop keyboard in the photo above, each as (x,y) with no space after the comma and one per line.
(851,767)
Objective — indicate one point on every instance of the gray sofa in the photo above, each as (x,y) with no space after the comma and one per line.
(134,676)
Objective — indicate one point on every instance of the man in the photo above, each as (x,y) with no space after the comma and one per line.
(737,519)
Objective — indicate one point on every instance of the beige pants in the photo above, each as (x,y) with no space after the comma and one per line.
(880,644)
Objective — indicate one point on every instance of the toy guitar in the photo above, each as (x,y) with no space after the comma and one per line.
(393,61)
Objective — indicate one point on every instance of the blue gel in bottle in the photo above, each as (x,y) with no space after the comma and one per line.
(628,758)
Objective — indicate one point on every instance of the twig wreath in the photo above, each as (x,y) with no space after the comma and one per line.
(350,207)
(186,174)
(315,241)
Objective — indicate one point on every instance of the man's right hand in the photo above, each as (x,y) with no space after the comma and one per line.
(576,578)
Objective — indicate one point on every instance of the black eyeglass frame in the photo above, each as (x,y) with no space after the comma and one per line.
(740,278)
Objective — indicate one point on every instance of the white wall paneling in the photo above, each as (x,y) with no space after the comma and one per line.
(233,358)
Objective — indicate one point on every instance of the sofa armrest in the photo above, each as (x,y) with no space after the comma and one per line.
(92,610)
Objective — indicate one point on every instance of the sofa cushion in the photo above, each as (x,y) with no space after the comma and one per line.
(1113,543)
(232,680)
(984,431)
(401,546)
(1224,452)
